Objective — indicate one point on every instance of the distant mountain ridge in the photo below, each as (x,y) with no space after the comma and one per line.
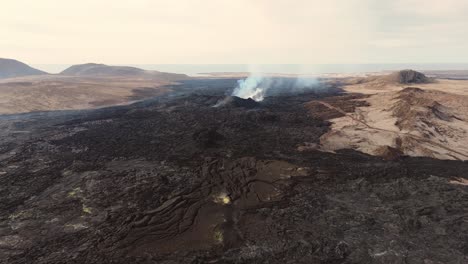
(102,70)
(12,68)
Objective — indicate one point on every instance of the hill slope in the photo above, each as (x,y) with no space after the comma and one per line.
(13,68)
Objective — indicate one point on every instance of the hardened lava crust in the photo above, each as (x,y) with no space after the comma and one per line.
(182,180)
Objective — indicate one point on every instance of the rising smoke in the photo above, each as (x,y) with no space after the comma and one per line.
(252,87)
(258,87)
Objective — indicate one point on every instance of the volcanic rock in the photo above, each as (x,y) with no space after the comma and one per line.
(410,76)
(389,153)
(135,184)
(234,101)
(208,137)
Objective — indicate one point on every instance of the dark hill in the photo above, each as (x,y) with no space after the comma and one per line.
(409,76)
(94,69)
(13,68)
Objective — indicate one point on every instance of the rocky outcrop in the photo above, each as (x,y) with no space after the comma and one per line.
(410,76)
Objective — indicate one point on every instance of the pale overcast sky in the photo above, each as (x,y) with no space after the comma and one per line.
(234,31)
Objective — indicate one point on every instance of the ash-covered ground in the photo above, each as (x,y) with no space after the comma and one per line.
(176,180)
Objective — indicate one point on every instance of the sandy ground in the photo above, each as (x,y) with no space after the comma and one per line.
(443,85)
(431,122)
(42,93)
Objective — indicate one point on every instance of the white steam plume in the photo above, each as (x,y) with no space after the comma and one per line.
(257,87)
(250,88)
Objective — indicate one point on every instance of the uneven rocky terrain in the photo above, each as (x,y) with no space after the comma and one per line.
(416,116)
(177,180)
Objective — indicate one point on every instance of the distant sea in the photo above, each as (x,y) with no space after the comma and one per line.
(196,69)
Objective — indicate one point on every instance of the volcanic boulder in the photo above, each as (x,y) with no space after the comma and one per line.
(389,153)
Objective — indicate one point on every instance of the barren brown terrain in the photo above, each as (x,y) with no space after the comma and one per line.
(82,87)
(418,119)
(45,93)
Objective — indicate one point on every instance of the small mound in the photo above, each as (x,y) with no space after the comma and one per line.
(234,101)
(410,76)
(409,90)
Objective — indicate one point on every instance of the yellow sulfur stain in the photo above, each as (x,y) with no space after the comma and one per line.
(226,200)
(86,209)
(218,237)
(73,193)
(222,198)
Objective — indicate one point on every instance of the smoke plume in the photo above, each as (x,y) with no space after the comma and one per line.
(258,87)
(250,88)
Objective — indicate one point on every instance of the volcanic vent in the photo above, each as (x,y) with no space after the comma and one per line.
(258,87)
(234,101)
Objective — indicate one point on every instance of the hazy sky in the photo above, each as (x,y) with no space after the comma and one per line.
(234,31)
